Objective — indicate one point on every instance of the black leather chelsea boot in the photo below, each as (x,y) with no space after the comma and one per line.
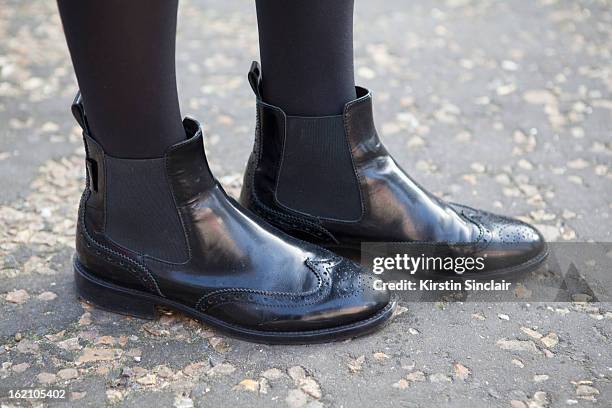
(331,181)
(163,232)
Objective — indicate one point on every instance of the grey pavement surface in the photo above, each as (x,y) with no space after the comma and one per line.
(504,105)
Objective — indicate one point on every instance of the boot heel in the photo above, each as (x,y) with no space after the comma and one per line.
(110,297)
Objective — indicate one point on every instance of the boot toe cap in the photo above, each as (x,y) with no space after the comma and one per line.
(516,243)
(507,242)
(347,296)
(353,296)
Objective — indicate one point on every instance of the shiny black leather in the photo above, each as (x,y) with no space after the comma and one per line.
(394,208)
(241,272)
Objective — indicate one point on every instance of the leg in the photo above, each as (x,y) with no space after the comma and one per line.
(307,55)
(124,63)
(328,178)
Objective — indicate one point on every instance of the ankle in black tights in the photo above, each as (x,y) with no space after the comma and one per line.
(123,56)
(306,51)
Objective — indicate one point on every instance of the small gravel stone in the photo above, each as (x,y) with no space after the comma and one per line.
(517,404)
(297,373)
(540,378)
(247,385)
(550,340)
(180,401)
(399,310)
(219,344)
(27,346)
(164,371)
(310,387)
(47,296)
(20,368)
(148,379)
(68,373)
(273,374)
(380,356)
(17,296)
(540,97)
(46,378)
(531,333)
(76,395)
(539,400)
(478,167)
(127,372)
(402,384)
(356,364)
(416,376)
(264,386)
(586,391)
(461,371)
(222,369)
(71,344)
(197,368)
(98,354)
(114,395)
(463,136)
(551,233)
(85,319)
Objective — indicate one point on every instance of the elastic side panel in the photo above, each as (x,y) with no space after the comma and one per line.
(317,175)
(141,214)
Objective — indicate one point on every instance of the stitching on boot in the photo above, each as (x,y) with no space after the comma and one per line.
(273,299)
(288,221)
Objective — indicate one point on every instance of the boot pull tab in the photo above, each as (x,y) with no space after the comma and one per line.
(255,78)
(78,111)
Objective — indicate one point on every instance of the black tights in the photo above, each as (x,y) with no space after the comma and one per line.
(306,49)
(123,56)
